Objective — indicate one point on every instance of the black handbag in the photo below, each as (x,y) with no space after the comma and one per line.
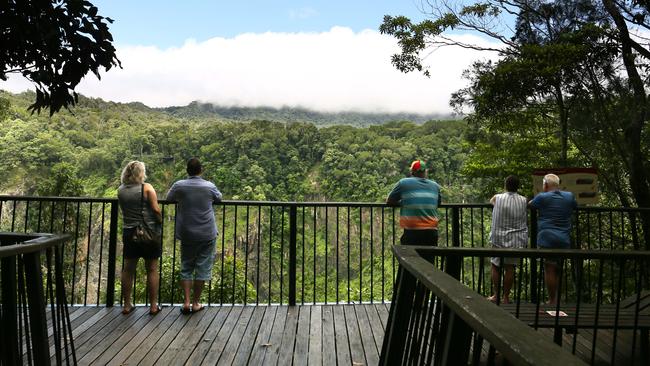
(143,233)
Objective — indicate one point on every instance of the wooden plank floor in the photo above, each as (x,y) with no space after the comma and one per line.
(231,335)
(271,335)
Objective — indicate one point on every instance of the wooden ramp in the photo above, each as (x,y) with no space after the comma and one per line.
(231,335)
(581,345)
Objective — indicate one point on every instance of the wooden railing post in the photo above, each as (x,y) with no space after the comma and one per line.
(453,263)
(456,347)
(533,261)
(456,335)
(112,248)
(455,226)
(394,343)
(36,299)
(292,253)
(9,320)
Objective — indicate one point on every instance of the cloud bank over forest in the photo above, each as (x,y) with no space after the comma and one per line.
(337,70)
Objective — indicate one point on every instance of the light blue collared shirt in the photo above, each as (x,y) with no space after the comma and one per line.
(554,219)
(194,213)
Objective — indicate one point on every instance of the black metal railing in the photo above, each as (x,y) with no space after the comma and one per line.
(279,252)
(435,320)
(612,308)
(27,334)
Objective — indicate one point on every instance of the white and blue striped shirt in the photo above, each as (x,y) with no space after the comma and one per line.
(509,221)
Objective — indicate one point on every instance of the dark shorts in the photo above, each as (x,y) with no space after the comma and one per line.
(137,250)
(419,237)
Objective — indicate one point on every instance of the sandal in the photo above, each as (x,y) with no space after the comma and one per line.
(186,311)
(128,311)
(199,309)
(156,311)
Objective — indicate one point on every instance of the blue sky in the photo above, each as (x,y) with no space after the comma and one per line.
(325,56)
(168,23)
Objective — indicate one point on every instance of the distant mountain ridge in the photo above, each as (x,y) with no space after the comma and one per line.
(288,114)
(207,111)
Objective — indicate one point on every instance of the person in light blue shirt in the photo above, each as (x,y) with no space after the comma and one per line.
(555,210)
(196,228)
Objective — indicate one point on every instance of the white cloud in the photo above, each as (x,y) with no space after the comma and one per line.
(329,71)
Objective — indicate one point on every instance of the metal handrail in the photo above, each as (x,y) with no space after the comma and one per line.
(29,286)
(305,203)
(30,243)
(279,245)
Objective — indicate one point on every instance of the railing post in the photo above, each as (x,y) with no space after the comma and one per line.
(451,331)
(453,263)
(292,253)
(37,318)
(533,261)
(395,340)
(112,248)
(455,226)
(9,320)
(455,350)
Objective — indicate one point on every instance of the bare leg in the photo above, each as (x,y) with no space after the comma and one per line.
(128,273)
(496,277)
(152,282)
(508,279)
(198,288)
(186,285)
(551,278)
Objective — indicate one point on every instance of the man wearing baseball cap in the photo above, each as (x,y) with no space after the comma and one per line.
(418,198)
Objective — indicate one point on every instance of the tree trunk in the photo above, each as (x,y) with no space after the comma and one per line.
(634,129)
(564,125)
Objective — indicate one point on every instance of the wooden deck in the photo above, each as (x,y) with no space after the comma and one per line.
(269,335)
(231,335)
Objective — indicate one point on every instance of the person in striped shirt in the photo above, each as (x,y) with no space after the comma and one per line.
(509,230)
(418,198)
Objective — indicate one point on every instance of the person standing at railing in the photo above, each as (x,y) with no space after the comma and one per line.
(509,230)
(139,202)
(555,209)
(418,198)
(196,228)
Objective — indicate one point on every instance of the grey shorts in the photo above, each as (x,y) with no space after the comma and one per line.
(197,259)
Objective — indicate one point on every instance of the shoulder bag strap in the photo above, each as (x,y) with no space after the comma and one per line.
(142,203)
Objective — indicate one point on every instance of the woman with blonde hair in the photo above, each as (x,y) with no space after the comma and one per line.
(139,203)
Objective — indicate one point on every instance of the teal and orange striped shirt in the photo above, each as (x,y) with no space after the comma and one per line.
(419,199)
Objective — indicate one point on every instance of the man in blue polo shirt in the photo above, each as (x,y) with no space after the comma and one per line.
(196,229)
(555,209)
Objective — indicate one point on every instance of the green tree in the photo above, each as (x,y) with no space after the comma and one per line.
(559,69)
(54,44)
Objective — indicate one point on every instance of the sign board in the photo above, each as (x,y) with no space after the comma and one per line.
(582,182)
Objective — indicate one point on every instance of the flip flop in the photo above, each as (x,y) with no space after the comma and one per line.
(129,311)
(154,312)
(186,311)
(199,309)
